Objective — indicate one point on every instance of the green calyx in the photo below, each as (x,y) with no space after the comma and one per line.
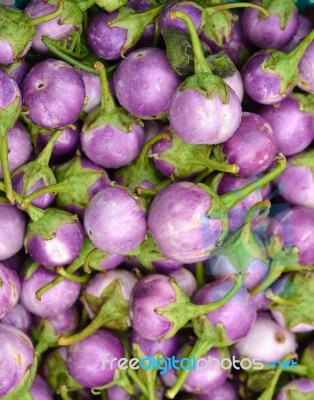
(286,65)
(216,335)
(44,335)
(307,359)
(110,5)
(81,179)
(47,226)
(110,310)
(58,375)
(182,310)
(188,159)
(208,85)
(134,23)
(108,113)
(146,253)
(294,393)
(306,102)
(284,10)
(295,307)
(179,51)
(244,247)
(21,391)
(71,13)
(221,65)
(12,21)
(142,169)
(281,260)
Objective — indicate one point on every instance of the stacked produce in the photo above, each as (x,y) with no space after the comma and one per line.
(157,200)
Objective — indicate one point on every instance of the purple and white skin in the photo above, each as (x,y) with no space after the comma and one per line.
(117,393)
(145,82)
(19,147)
(263,87)
(150,348)
(253,146)
(269,76)
(15,345)
(305,26)
(236,215)
(203,380)
(271,32)
(106,41)
(197,240)
(110,137)
(19,317)
(167,267)
(114,221)
(293,126)
(92,91)
(54,28)
(17,70)
(185,280)
(40,390)
(221,108)
(296,183)
(65,322)
(165,22)
(54,92)
(54,301)
(220,267)
(110,147)
(61,246)
(306,80)
(267,341)
(149,293)
(226,391)
(294,228)
(181,221)
(237,316)
(9,290)
(66,143)
(12,230)
(295,387)
(89,360)
(236,84)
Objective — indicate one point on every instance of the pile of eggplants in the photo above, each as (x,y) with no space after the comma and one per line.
(156,199)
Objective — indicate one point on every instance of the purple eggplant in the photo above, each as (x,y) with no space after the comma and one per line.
(57,80)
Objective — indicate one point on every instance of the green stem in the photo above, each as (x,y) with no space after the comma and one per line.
(74,266)
(48,17)
(233,198)
(84,319)
(257,207)
(152,192)
(4,152)
(200,63)
(107,103)
(280,300)
(201,176)
(201,347)
(199,272)
(71,277)
(35,213)
(201,309)
(25,396)
(222,7)
(100,319)
(275,271)
(134,377)
(56,188)
(45,155)
(296,54)
(148,145)
(151,383)
(217,166)
(65,395)
(60,53)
